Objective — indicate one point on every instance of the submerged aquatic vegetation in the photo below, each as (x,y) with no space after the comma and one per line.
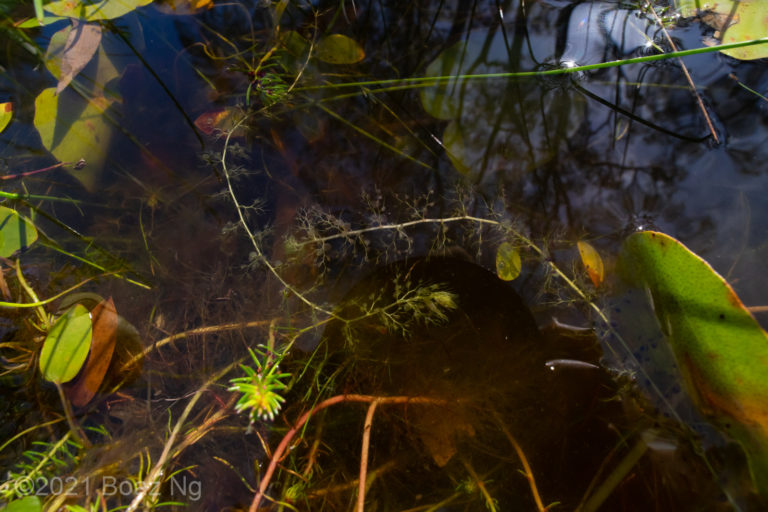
(260,388)
(448,380)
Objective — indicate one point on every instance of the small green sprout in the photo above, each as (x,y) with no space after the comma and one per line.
(260,388)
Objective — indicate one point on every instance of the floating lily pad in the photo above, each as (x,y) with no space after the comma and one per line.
(721,350)
(747,20)
(16,232)
(66,346)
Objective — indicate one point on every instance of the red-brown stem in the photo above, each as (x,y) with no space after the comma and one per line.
(283,446)
(364,455)
(30,173)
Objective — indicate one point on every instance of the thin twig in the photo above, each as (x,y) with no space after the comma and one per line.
(685,72)
(192,332)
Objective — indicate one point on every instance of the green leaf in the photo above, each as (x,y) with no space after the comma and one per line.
(72,128)
(6,114)
(25,504)
(747,20)
(508,263)
(720,348)
(48,20)
(339,49)
(66,346)
(16,232)
(93,11)
(39,15)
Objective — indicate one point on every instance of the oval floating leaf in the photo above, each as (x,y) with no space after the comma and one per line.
(72,128)
(66,346)
(25,504)
(592,261)
(6,114)
(746,20)
(104,320)
(339,49)
(16,232)
(751,22)
(94,10)
(508,263)
(720,348)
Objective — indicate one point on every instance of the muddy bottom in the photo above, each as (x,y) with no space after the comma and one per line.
(491,368)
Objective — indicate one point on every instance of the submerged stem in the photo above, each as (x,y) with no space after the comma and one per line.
(288,437)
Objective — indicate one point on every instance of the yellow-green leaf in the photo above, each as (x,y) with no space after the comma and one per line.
(72,128)
(721,350)
(747,20)
(592,261)
(104,324)
(508,263)
(339,49)
(66,346)
(92,11)
(6,114)
(25,504)
(16,232)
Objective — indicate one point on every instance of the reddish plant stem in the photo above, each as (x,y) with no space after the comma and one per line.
(364,455)
(288,437)
(78,165)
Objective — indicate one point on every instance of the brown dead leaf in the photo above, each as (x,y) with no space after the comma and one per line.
(440,430)
(82,42)
(104,320)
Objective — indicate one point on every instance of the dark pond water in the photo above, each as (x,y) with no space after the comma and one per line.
(311,227)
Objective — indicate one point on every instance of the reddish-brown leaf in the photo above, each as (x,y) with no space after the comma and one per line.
(86,384)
